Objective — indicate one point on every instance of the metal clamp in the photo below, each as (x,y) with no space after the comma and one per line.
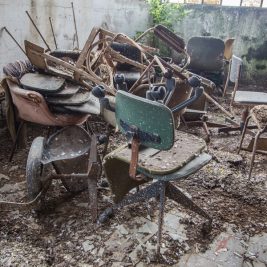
(132,131)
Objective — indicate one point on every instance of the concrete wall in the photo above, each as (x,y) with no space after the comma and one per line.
(125,16)
(247,25)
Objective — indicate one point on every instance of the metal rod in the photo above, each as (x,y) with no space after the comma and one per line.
(163,69)
(261,3)
(16,141)
(141,76)
(162,199)
(38,30)
(7,31)
(76,33)
(55,41)
(230,115)
(144,33)
(68,176)
(29,204)
(241,1)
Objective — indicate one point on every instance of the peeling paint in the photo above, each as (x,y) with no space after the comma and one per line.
(258,53)
(247,25)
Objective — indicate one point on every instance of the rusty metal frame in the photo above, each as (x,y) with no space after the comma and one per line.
(255,140)
(92,172)
(165,68)
(87,76)
(94,168)
(169,38)
(159,190)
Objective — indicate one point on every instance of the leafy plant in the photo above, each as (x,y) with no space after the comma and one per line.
(165,13)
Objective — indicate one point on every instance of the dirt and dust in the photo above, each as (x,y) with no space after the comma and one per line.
(63,235)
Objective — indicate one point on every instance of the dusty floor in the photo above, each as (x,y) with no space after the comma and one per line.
(63,234)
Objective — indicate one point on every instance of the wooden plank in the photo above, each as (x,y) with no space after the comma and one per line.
(86,47)
(83,74)
(35,58)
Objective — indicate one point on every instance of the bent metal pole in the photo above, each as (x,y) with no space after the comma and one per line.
(7,31)
(50,20)
(38,30)
(75,25)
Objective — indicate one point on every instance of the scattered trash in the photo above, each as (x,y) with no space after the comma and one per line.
(82,84)
(4,177)
(13,168)
(88,245)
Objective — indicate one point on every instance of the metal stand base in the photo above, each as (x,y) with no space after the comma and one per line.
(158,190)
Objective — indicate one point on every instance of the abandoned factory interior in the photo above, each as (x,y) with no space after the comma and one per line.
(133,133)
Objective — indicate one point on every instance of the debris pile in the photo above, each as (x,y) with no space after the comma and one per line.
(118,82)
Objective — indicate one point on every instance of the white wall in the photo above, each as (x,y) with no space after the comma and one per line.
(246,25)
(127,16)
